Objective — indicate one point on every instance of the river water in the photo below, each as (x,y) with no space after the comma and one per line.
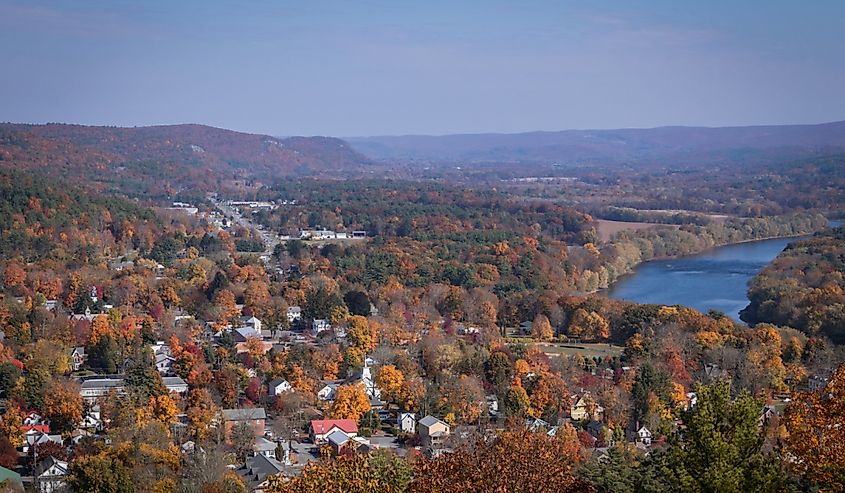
(716,279)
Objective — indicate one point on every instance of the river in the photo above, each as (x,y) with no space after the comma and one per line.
(716,279)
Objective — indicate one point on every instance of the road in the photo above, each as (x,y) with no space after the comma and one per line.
(270,239)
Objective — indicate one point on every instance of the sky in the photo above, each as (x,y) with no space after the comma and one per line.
(395,67)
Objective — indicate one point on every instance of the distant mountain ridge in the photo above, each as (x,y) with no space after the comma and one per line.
(179,155)
(605,145)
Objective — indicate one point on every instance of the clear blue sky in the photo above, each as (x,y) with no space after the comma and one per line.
(373,67)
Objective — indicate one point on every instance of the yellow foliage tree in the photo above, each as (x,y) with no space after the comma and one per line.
(390,380)
(11,425)
(360,334)
(816,435)
(351,402)
(163,409)
(542,330)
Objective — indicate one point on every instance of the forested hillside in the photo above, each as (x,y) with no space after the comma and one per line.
(43,219)
(160,160)
(804,287)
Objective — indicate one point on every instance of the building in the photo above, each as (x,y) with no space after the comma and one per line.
(35,437)
(50,475)
(294,314)
(175,385)
(77,357)
(164,363)
(257,469)
(320,325)
(643,436)
(433,432)
(264,447)
(328,392)
(92,389)
(253,322)
(279,386)
(407,422)
(254,417)
(585,408)
(322,428)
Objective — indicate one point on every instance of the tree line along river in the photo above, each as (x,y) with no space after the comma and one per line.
(716,279)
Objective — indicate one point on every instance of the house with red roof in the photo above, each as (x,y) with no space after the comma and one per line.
(322,428)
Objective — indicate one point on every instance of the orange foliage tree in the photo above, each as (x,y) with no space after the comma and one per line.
(816,435)
(514,461)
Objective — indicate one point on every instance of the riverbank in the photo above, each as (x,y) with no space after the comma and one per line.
(629,249)
(716,279)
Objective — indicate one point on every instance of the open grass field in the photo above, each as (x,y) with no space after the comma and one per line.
(602,350)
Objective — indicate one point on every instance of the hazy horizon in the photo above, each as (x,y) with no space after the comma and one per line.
(375,68)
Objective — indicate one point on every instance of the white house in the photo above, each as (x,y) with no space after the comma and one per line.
(294,313)
(328,392)
(50,474)
(320,325)
(264,447)
(253,322)
(279,386)
(164,363)
(91,389)
(92,420)
(77,357)
(37,437)
(175,384)
(407,422)
(644,436)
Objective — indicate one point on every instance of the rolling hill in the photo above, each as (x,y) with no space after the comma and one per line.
(678,144)
(152,160)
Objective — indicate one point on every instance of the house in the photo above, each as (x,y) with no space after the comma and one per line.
(584,408)
(92,419)
(715,372)
(84,316)
(692,400)
(328,392)
(537,424)
(33,419)
(767,414)
(35,437)
(50,474)
(337,439)
(643,436)
(294,314)
(243,334)
(322,428)
(175,384)
(77,357)
(161,347)
(254,417)
(407,422)
(320,325)
(264,447)
(341,443)
(492,404)
(816,382)
(253,322)
(279,386)
(257,469)
(93,388)
(164,363)
(432,431)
